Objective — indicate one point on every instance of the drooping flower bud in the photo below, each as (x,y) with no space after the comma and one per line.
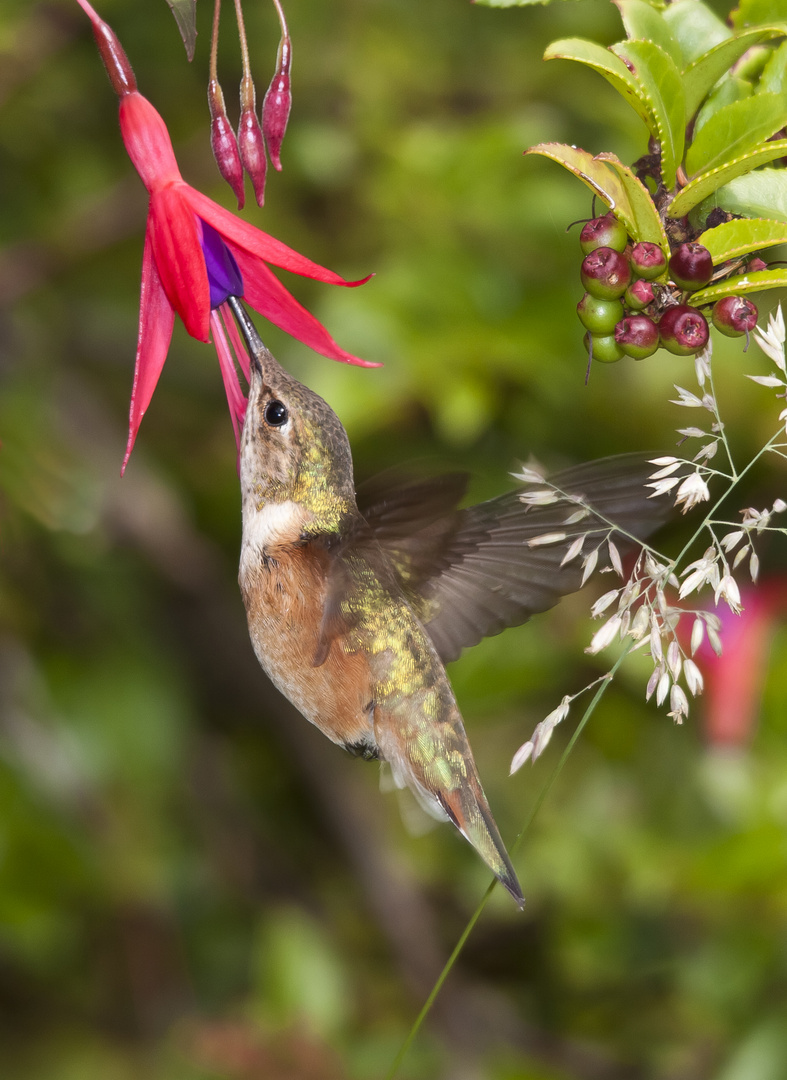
(250,140)
(120,72)
(224,143)
(277,103)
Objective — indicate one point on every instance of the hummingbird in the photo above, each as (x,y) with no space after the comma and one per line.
(354,611)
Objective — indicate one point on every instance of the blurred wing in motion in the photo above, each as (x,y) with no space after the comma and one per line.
(471,573)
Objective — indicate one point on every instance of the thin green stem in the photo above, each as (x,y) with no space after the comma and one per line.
(427,1006)
(722,433)
(214,43)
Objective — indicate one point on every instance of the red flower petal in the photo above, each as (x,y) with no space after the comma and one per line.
(266,294)
(258,243)
(156,319)
(235,396)
(175,237)
(147,142)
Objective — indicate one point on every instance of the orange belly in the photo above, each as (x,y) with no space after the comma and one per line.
(284,600)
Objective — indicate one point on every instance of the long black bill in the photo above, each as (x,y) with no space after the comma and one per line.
(254,342)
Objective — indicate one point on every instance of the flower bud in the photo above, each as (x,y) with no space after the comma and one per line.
(277,103)
(121,75)
(224,144)
(251,143)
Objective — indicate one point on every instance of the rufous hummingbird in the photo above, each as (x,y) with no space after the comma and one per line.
(353,614)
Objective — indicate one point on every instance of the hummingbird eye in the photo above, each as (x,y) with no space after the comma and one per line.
(275,413)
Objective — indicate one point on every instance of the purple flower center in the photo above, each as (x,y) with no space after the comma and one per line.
(224,277)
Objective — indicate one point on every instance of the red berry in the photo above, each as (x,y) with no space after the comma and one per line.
(638,295)
(734,316)
(599,316)
(605,273)
(691,266)
(638,336)
(683,330)
(647,260)
(604,231)
(757,264)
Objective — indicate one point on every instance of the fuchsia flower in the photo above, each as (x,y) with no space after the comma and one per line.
(734,681)
(197,254)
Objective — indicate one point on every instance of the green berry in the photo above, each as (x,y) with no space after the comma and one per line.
(638,336)
(604,231)
(734,316)
(604,348)
(599,316)
(691,266)
(647,260)
(605,273)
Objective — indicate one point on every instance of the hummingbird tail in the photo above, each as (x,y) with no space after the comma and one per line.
(468,809)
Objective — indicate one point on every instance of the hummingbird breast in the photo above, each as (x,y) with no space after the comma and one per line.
(284,594)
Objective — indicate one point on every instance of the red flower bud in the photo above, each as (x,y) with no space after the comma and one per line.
(120,72)
(224,143)
(252,151)
(277,103)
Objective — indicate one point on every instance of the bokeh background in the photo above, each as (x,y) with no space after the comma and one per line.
(194,884)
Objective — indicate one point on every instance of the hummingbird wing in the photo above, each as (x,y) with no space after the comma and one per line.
(472,573)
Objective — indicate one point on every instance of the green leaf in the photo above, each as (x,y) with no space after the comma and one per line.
(704,185)
(774,77)
(738,286)
(705,70)
(597,175)
(662,89)
(760,194)
(609,65)
(645,224)
(729,90)
(734,130)
(642,22)
(735,238)
(185,12)
(695,27)
(752,12)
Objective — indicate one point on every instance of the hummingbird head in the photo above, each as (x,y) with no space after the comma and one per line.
(293,449)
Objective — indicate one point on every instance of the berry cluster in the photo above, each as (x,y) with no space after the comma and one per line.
(635,300)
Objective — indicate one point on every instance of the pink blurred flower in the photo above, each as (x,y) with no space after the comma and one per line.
(734,681)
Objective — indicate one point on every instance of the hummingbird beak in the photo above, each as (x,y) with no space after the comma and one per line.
(253,340)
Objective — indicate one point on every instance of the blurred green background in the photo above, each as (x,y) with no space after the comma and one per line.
(194,884)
